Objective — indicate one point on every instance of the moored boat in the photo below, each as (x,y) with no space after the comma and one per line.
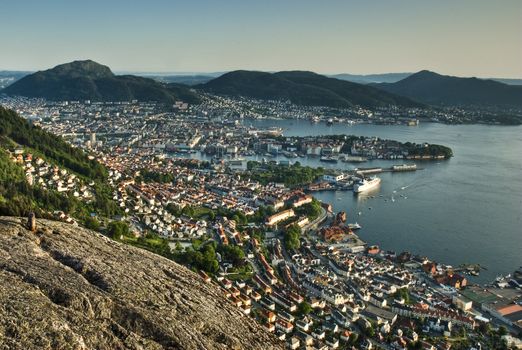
(366,184)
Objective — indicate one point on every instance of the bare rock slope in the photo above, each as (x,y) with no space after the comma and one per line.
(64,287)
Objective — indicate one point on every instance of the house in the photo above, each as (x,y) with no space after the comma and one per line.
(278,217)
(462,303)
(302,200)
(430,268)
(331,326)
(267,315)
(306,339)
(438,325)
(319,334)
(284,326)
(333,178)
(286,316)
(333,343)
(293,343)
(304,324)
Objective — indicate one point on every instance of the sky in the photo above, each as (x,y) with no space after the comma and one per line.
(459,37)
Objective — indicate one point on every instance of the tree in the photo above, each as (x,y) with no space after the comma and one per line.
(352,340)
(304,308)
(202,257)
(92,223)
(312,210)
(118,229)
(404,294)
(232,253)
(292,236)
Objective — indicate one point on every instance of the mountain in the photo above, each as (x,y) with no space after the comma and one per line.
(395,77)
(508,81)
(88,80)
(303,88)
(432,88)
(65,287)
(184,79)
(9,77)
(371,78)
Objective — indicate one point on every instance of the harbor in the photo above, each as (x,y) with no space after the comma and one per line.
(472,209)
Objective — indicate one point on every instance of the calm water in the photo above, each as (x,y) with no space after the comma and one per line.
(464,210)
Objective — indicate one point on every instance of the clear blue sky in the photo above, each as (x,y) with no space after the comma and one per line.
(460,37)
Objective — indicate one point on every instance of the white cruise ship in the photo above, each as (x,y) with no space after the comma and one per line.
(366,184)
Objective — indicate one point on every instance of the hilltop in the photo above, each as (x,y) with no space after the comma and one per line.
(436,89)
(88,80)
(68,287)
(302,88)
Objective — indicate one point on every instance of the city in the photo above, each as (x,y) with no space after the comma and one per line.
(261,175)
(186,189)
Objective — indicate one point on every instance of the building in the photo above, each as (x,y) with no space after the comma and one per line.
(333,178)
(278,217)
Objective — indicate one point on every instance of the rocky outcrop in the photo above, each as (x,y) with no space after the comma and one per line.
(64,287)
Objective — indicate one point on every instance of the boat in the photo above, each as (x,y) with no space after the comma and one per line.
(329,121)
(354,226)
(366,184)
(354,159)
(329,159)
(404,167)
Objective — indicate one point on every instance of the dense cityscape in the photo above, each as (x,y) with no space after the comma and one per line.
(187,187)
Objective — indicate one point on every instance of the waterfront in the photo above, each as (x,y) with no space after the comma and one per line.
(464,210)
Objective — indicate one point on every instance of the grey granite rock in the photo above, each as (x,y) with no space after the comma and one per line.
(64,287)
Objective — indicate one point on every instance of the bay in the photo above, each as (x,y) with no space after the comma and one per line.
(464,210)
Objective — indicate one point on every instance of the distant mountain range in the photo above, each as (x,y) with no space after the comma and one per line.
(435,89)
(302,88)
(88,80)
(9,77)
(185,79)
(371,78)
(395,77)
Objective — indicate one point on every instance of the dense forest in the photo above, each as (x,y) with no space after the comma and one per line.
(17,197)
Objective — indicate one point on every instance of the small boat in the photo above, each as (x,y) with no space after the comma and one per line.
(360,213)
(354,226)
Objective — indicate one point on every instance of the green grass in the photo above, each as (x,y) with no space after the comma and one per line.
(201,212)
